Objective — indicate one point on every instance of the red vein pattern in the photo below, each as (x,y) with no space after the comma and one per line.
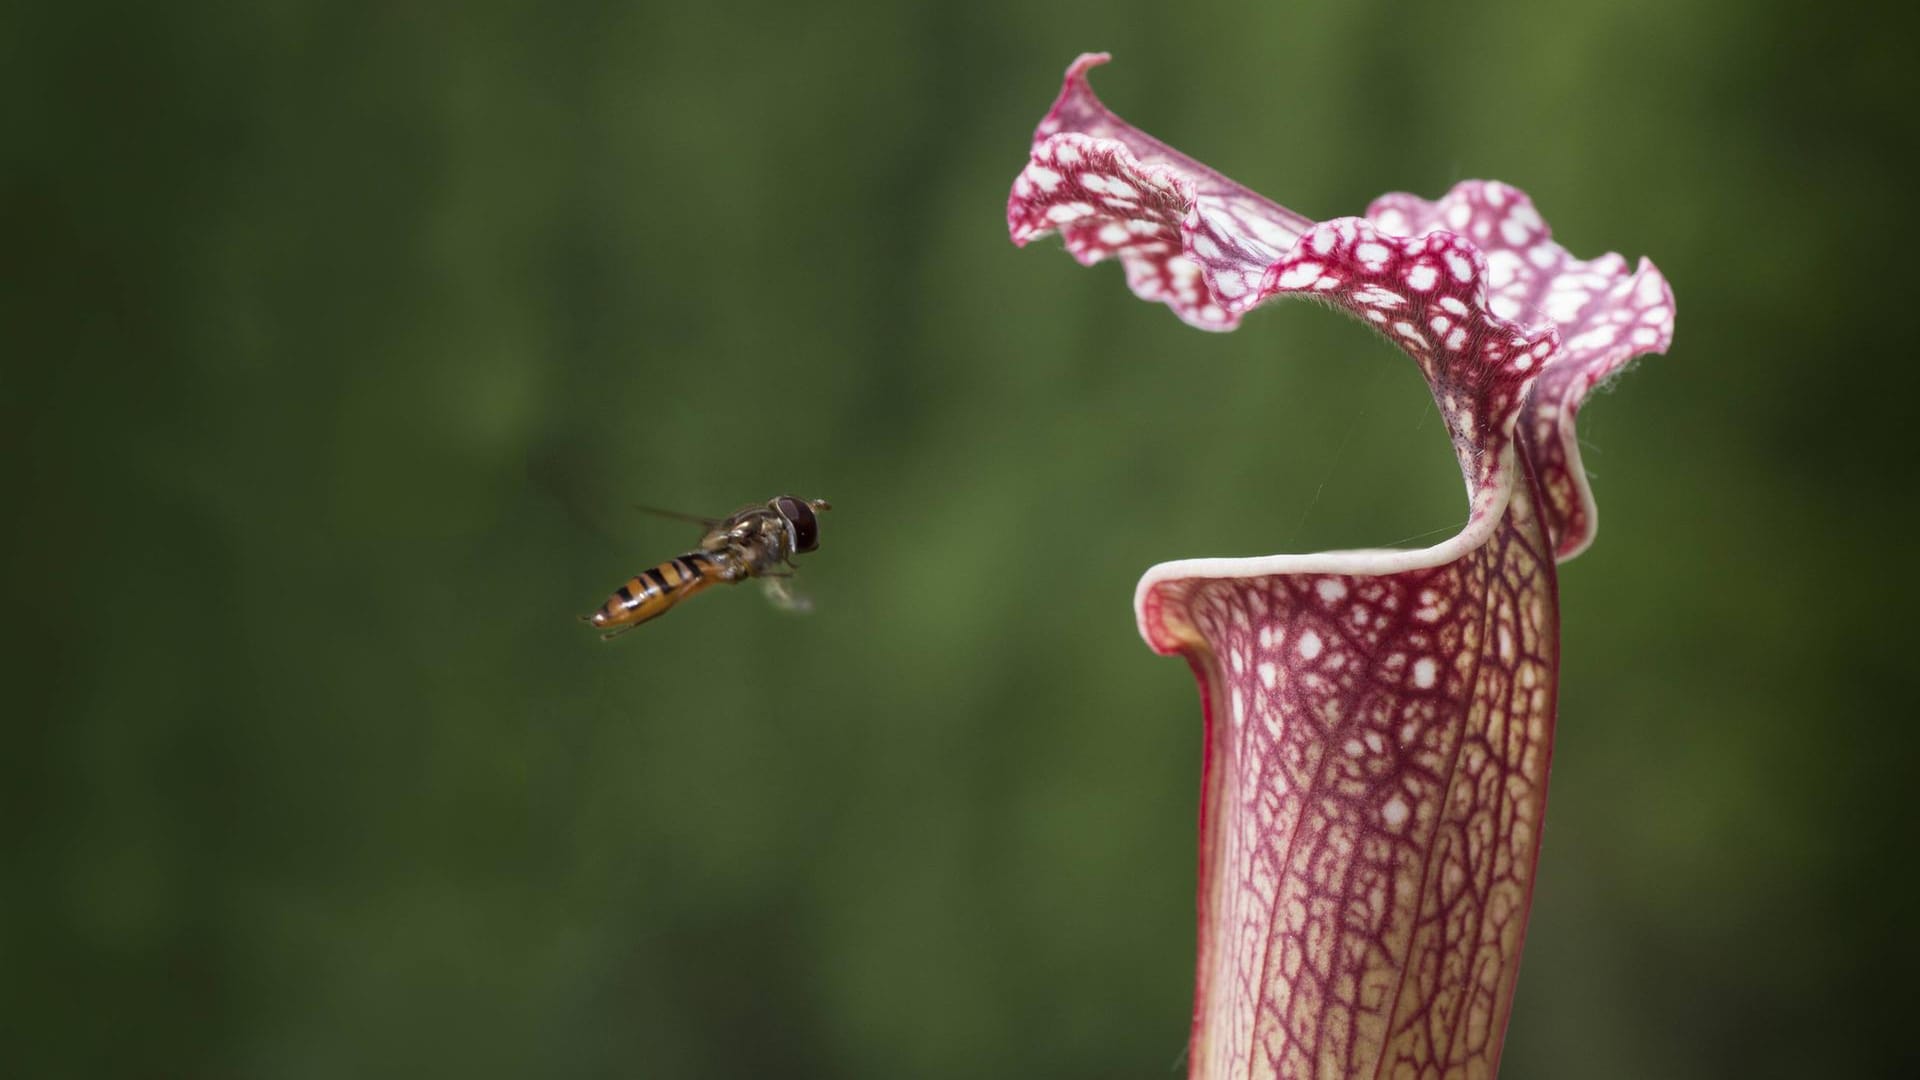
(1378,723)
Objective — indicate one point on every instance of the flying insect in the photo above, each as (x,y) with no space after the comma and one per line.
(756,541)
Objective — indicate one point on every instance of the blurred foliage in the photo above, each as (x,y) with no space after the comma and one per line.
(339,338)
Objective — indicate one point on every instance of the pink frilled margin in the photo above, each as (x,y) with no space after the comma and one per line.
(1378,723)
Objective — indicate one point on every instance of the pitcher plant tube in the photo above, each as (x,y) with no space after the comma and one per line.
(1378,724)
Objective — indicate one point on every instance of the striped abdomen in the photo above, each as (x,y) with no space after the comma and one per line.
(650,593)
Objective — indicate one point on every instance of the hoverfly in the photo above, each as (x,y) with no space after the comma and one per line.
(755,541)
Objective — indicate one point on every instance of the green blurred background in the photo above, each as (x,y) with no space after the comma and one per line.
(340,337)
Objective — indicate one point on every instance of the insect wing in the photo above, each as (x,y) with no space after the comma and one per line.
(782,595)
(677,515)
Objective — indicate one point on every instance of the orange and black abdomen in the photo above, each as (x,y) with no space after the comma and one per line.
(649,594)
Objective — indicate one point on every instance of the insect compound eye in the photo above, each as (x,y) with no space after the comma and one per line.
(806,527)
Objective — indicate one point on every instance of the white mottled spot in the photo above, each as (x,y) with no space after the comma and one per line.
(1066,154)
(1372,255)
(1268,673)
(1655,315)
(1353,748)
(1460,266)
(1646,335)
(1422,277)
(1459,214)
(1502,268)
(1395,812)
(1544,255)
(1331,590)
(1065,212)
(1563,306)
(1205,246)
(1393,221)
(1310,645)
(1299,275)
(1513,232)
(1597,338)
(1506,307)
(1375,743)
(1113,233)
(1456,339)
(1425,672)
(1453,304)
(1323,241)
(1272,233)
(1375,296)
(1043,176)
